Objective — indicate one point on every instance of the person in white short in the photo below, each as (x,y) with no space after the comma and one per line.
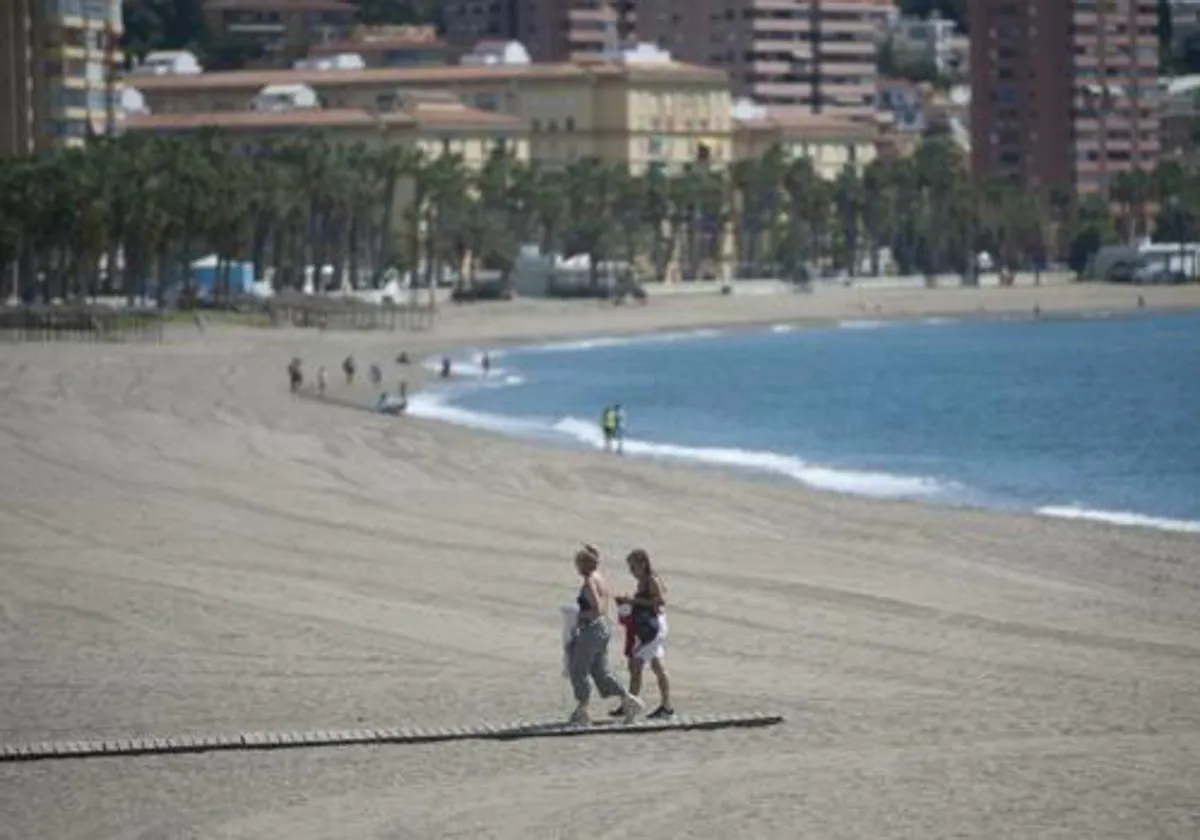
(645,619)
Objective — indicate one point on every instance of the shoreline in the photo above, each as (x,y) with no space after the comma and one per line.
(437,405)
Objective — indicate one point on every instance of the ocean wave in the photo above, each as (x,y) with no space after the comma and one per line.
(1123,518)
(783,328)
(597,342)
(862,325)
(437,405)
(879,485)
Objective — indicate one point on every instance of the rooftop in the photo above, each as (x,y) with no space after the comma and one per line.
(257,79)
(427,115)
(801,124)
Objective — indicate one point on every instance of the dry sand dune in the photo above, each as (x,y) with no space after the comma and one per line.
(186,548)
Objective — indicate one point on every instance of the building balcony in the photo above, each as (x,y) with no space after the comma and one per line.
(779,27)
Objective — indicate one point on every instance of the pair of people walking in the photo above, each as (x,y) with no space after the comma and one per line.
(646,638)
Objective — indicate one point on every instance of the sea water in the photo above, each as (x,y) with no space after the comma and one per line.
(1094,417)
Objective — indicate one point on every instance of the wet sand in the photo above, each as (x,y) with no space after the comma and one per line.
(187,548)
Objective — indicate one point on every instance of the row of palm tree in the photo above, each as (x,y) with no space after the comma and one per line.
(128,215)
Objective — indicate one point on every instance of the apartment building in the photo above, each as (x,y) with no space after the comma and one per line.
(1185,23)
(933,41)
(639,108)
(285,29)
(568,30)
(57,63)
(1064,92)
(1179,114)
(831,143)
(812,55)
(467,22)
(552,30)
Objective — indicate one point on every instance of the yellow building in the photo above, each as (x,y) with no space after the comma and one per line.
(831,143)
(58,59)
(434,124)
(636,112)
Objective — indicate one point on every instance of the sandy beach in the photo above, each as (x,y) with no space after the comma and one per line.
(187,548)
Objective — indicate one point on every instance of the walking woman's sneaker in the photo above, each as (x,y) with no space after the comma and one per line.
(579,718)
(662,712)
(617,712)
(633,706)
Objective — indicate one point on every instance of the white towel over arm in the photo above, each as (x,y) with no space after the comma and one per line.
(570,619)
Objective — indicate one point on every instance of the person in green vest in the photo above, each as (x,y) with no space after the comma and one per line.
(612,424)
(608,425)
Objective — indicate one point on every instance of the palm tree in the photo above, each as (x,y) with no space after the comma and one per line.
(806,207)
(756,203)
(849,202)
(591,195)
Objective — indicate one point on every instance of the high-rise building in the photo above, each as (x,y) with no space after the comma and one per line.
(1064,91)
(19,83)
(57,83)
(812,55)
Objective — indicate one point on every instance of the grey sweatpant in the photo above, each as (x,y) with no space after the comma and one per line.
(589,658)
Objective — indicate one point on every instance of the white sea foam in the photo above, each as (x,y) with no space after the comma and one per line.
(880,485)
(1124,518)
(436,405)
(597,342)
(861,325)
(783,328)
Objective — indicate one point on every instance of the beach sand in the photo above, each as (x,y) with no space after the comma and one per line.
(186,548)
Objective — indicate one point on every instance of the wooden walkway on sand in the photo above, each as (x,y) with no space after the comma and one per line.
(144,745)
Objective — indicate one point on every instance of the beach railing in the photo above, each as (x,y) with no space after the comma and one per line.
(299,310)
(83,323)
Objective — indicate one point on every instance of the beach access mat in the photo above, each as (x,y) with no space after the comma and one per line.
(143,745)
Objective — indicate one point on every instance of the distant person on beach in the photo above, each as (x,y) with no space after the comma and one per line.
(348,369)
(376,374)
(295,374)
(322,380)
(402,359)
(608,426)
(587,651)
(619,428)
(486,364)
(644,616)
(445,367)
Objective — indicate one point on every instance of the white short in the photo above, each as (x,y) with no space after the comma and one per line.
(656,648)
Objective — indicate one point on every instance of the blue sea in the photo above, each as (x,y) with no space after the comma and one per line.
(1093,417)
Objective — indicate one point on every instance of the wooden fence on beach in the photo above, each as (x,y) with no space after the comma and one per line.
(290,309)
(86,323)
